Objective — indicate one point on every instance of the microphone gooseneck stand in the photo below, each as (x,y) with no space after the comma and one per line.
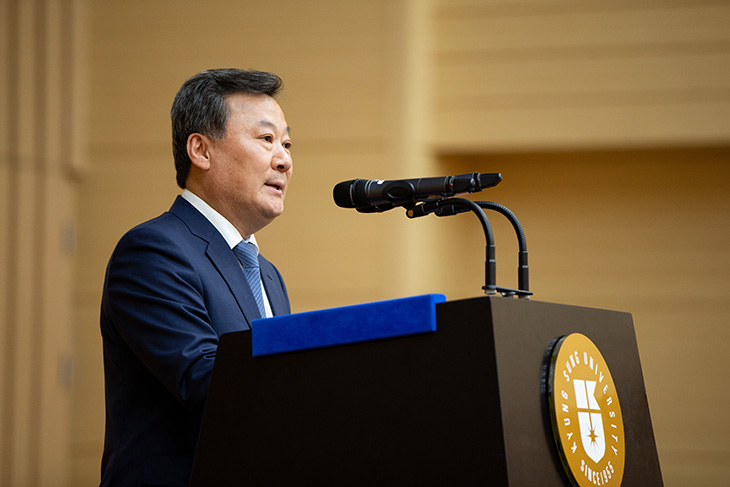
(453,206)
(523,271)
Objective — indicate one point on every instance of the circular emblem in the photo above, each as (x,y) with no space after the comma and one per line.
(585,412)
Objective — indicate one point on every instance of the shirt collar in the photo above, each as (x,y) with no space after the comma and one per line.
(226,228)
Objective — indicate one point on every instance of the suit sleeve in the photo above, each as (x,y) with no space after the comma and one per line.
(154,304)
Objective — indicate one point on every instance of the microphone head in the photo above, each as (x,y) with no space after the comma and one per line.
(342,193)
(489,180)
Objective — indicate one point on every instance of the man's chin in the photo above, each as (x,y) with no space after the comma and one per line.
(271,213)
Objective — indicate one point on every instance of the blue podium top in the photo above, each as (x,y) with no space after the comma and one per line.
(347,324)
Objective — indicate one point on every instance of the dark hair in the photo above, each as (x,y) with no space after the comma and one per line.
(200,107)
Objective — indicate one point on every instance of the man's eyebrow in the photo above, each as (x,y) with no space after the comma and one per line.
(266,123)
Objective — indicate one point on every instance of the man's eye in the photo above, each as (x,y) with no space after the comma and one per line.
(287,145)
(268,138)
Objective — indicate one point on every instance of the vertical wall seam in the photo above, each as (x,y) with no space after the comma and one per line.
(40,167)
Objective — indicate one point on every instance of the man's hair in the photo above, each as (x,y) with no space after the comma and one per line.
(200,107)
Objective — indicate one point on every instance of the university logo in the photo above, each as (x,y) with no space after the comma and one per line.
(585,413)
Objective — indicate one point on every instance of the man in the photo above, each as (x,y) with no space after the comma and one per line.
(174,284)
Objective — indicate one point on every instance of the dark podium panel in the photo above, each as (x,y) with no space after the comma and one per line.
(462,406)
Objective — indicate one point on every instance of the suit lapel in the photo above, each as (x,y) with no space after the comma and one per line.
(227,264)
(274,290)
(221,256)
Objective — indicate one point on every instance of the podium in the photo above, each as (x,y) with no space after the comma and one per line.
(464,405)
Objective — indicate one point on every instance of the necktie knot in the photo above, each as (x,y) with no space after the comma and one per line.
(247,254)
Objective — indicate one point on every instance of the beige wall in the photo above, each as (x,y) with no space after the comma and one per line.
(609,122)
(40,155)
(570,73)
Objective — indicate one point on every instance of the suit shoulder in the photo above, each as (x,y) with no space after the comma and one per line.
(163,227)
(161,223)
(165,235)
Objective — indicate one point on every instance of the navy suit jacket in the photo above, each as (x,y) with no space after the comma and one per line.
(173,286)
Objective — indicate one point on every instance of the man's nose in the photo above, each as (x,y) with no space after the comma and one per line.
(282,160)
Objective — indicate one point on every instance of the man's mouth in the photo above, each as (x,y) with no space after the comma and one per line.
(275,185)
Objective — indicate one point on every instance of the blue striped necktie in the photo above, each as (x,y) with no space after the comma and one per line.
(248,256)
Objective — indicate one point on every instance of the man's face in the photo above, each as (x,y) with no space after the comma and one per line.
(251,166)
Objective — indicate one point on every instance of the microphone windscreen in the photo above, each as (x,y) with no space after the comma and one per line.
(489,180)
(341,194)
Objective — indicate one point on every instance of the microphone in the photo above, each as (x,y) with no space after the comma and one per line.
(378,195)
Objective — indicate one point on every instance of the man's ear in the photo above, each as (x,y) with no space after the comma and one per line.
(199,150)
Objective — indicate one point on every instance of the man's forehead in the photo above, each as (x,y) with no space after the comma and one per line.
(268,124)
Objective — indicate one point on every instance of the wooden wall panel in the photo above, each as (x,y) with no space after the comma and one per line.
(568,73)
(36,282)
(585,82)
(532,29)
(6,218)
